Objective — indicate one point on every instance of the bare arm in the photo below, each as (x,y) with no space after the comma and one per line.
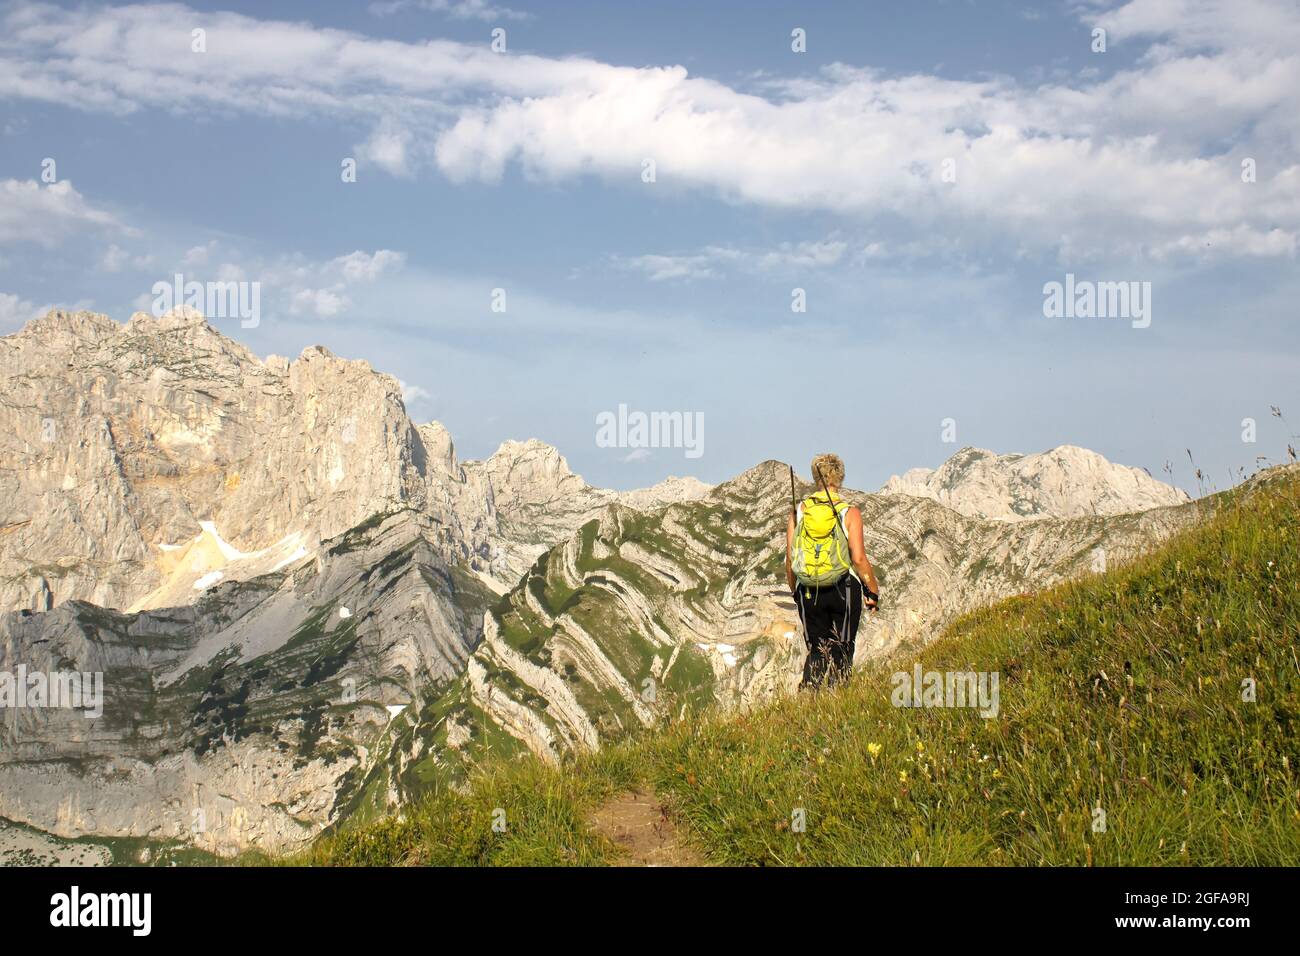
(858,552)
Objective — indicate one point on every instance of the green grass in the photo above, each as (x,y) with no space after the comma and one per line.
(1121,692)
(114,851)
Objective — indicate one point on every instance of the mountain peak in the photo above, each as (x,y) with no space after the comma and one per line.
(768,479)
(533,456)
(313,352)
(671,490)
(181,317)
(58,322)
(1065,482)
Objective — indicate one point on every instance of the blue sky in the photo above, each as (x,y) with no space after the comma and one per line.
(774,170)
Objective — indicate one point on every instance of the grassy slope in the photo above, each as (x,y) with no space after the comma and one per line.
(1120,691)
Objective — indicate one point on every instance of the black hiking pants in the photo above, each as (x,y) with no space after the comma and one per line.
(830,616)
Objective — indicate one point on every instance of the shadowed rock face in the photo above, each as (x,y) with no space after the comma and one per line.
(246,717)
(304,607)
(1065,482)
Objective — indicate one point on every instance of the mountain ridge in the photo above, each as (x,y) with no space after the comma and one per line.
(127,438)
(317,590)
(1121,692)
(1064,481)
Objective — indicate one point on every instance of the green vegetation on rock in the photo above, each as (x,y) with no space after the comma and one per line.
(1124,692)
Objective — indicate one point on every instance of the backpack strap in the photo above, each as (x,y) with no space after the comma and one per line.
(838,505)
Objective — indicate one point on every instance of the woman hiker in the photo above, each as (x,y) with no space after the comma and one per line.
(823,546)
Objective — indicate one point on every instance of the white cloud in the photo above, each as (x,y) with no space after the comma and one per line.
(712,261)
(803,255)
(299,279)
(413,393)
(198,255)
(456,9)
(1146,158)
(46,214)
(1206,25)
(15,312)
(661,268)
(115,259)
(388,148)
(1241,241)
(325,303)
(231,272)
(292,283)
(364,267)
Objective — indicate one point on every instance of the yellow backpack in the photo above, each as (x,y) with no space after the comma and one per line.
(820,554)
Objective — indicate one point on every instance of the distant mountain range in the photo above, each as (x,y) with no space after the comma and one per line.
(306,607)
(1065,482)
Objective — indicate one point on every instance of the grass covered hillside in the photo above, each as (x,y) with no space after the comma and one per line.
(1120,703)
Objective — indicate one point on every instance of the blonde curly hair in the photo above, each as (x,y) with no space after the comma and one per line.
(828,468)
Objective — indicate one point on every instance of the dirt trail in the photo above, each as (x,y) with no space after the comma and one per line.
(638,822)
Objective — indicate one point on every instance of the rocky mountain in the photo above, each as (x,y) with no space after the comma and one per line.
(1065,482)
(140,464)
(538,501)
(246,717)
(174,509)
(306,609)
(639,615)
